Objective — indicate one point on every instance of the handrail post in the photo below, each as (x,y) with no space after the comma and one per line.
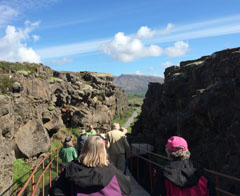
(33,180)
(131,160)
(43,179)
(138,165)
(50,173)
(57,162)
(150,173)
(217,184)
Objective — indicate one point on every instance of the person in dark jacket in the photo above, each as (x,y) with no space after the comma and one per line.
(91,174)
(81,140)
(181,176)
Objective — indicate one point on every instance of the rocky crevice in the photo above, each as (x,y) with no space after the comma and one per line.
(200,101)
(35,102)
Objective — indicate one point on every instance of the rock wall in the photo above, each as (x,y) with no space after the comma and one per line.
(200,101)
(35,102)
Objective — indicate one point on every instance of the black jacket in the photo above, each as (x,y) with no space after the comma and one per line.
(89,180)
(183,174)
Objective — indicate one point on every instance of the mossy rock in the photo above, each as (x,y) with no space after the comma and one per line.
(194,63)
(54,80)
(51,107)
(16,87)
(2,97)
(25,73)
(86,87)
(180,74)
(80,92)
(103,74)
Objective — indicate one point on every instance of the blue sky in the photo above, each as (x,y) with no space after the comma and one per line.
(119,37)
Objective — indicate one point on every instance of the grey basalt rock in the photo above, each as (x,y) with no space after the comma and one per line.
(32,138)
(41,101)
(200,101)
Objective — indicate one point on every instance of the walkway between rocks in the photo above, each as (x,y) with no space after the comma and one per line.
(131,119)
(137,190)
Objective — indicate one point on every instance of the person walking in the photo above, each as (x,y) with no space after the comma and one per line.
(91,131)
(117,147)
(68,152)
(92,174)
(81,140)
(182,176)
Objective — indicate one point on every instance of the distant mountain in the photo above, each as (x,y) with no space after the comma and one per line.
(135,84)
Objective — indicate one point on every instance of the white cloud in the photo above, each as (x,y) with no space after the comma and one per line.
(11,9)
(62,61)
(166,30)
(35,37)
(13,46)
(144,31)
(28,4)
(70,49)
(147,71)
(7,14)
(172,33)
(167,64)
(138,72)
(180,48)
(125,48)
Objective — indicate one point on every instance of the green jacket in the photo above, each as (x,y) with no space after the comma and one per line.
(93,132)
(68,154)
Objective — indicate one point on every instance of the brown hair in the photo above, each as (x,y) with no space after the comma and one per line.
(93,153)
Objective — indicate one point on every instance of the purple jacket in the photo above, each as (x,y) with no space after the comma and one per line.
(79,180)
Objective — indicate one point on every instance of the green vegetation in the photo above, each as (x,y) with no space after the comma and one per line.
(140,92)
(134,121)
(21,172)
(104,74)
(195,63)
(135,99)
(75,131)
(55,79)
(6,84)
(8,66)
(122,119)
(51,107)
(180,74)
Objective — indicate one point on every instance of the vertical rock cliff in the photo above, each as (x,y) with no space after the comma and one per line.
(200,101)
(35,102)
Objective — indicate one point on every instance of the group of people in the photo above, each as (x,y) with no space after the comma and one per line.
(98,170)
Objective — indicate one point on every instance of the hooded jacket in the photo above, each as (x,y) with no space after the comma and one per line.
(79,180)
(183,178)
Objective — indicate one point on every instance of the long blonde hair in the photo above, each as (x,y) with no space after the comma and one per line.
(93,153)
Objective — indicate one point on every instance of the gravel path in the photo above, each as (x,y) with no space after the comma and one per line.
(131,119)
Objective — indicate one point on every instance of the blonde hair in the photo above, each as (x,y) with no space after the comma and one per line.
(93,153)
(178,155)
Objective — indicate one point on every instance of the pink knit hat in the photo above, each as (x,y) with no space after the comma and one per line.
(176,143)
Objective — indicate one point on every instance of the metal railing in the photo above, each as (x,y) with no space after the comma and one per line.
(152,163)
(31,178)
